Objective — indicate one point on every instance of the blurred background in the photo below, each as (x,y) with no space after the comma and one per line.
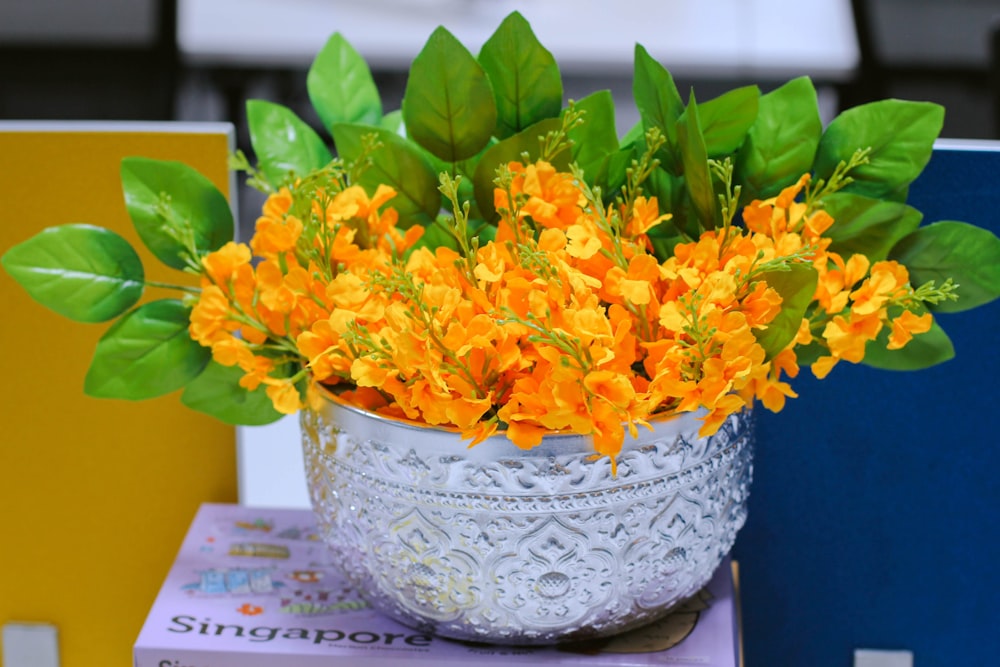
(200,59)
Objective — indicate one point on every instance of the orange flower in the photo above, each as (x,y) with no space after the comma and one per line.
(321,346)
(258,371)
(551,197)
(766,385)
(284,396)
(567,322)
(584,239)
(525,434)
(886,277)
(491,264)
(612,387)
(609,432)
(273,237)
(232,351)
(847,337)
(835,284)
(465,412)
(645,216)
(906,325)
(210,316)
(278,204)
(364,397)
(822,366)
(728,405)
(221,265)
(761,305)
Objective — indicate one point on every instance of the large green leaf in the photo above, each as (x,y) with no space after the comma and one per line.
(175,209)
(726,119)
(217,392)
(672,198)
(809,354)
(925,350)
(659,104)
(867,226)
(448,105)
(796,287)
(285,145)
(524,76)
(694,157)
(85,273)
(393,121)
(611,172)
(437,235)
(900,134)
(510,149)
(968,254)
(596,137)
(465,169)
(781,144)
(341,87)
(634,135)
(398,163)
(146,353)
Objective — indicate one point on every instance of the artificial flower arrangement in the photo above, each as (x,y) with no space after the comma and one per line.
(490,259)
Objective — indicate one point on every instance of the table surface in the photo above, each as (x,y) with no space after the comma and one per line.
(732,39)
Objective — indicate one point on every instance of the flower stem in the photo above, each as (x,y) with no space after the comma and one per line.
(182,288)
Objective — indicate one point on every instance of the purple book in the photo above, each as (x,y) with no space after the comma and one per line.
(252,587)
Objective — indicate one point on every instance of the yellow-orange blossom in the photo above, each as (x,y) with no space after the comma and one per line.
(565,323)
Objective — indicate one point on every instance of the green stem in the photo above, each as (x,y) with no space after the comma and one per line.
(182,288)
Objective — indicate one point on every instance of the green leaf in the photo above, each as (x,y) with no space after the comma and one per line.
(694,157)
(448,105)
(146,353)
(436,235)
(807,355)
(485,232)
(510,150)
(726,119)
(596,137)
(285,145)
(968,254)
(393,121)
(341,87)
(398,163)
(672,197)
(217,392)
(633,136)
(610,173)
(868,226)
(663,246)
(796,287)
(925,350)
(467,191)
(465,169)
(901,137)
(781,144)
(175,209)
(85,273)
(525,78)
(659,104)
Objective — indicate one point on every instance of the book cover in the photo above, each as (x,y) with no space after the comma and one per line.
(253,587)
(107,481)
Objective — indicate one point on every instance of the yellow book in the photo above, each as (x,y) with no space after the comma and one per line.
(95,494)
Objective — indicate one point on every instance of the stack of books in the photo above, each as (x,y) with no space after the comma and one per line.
(253,588)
